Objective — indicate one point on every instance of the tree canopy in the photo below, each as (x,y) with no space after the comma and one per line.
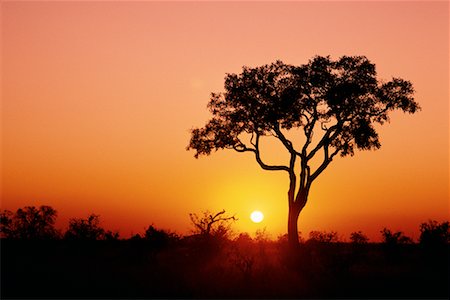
(343,98)
(29,223)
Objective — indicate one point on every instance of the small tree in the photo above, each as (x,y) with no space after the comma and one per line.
(335,104)
(394,238)
(323,236)
(433,233)
(358,237)
(211,224)
(29,223)
(6,224)
(85,229)
(159,237)
(111,235)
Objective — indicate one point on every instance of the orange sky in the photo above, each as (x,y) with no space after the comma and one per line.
(98,100)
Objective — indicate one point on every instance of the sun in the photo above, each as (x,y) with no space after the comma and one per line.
(257,216)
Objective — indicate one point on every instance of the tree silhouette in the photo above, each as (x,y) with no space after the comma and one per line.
(335,104)
(394,238)
(29,223)
(6,224)
(433,233)
(357,237)
(211,224)
(85,229)
(158,237)
(323,236)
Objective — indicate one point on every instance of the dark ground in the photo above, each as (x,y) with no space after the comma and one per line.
(211,269)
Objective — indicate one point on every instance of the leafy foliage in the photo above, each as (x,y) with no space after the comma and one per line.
(343,97)
(29,223)
(394,238)
(85,229)
(323,236)
(6,224)
(357,237)
(433,233)
(159,237)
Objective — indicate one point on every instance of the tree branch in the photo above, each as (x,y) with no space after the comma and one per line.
(262,164)
(325,139)
(326,161)
(287,143)
(309,132)
(241,147)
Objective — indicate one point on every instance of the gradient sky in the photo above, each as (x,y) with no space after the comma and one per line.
(98,100)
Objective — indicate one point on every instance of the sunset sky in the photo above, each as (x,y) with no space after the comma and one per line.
(98,99)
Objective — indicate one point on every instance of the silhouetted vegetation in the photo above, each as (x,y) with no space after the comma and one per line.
(335,104)
(85,263)
(85,229)
(323,237)
(433,233)
(29,223)
(357,237)
(212,224)
(159,237)
(394,238)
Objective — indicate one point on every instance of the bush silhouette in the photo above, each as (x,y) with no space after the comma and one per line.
(433,233)
(85,229)
(323,236)
(394,238)
(158,237)
(212,224)
(111,235)
(6,224)
(357,237)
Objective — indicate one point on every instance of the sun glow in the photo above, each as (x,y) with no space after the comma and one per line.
(257,216)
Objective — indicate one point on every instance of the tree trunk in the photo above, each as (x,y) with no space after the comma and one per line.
(294,212)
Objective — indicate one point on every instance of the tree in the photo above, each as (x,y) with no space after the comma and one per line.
(333,104)
(6,224)
(394,238)
(158,237)
(323,236)
(29,223)
(433,233)
(85,229)
(357,237)
(211,224)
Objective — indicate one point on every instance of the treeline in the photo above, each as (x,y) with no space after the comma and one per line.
(87,261)
(38,223)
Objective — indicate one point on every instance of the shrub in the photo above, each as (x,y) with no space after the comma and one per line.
(323,236)
(394,238)
(210,224)
(433,233)
(159,237)
(358,237)
(85,229)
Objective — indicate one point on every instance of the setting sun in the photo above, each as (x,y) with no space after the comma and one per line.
(257,216)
